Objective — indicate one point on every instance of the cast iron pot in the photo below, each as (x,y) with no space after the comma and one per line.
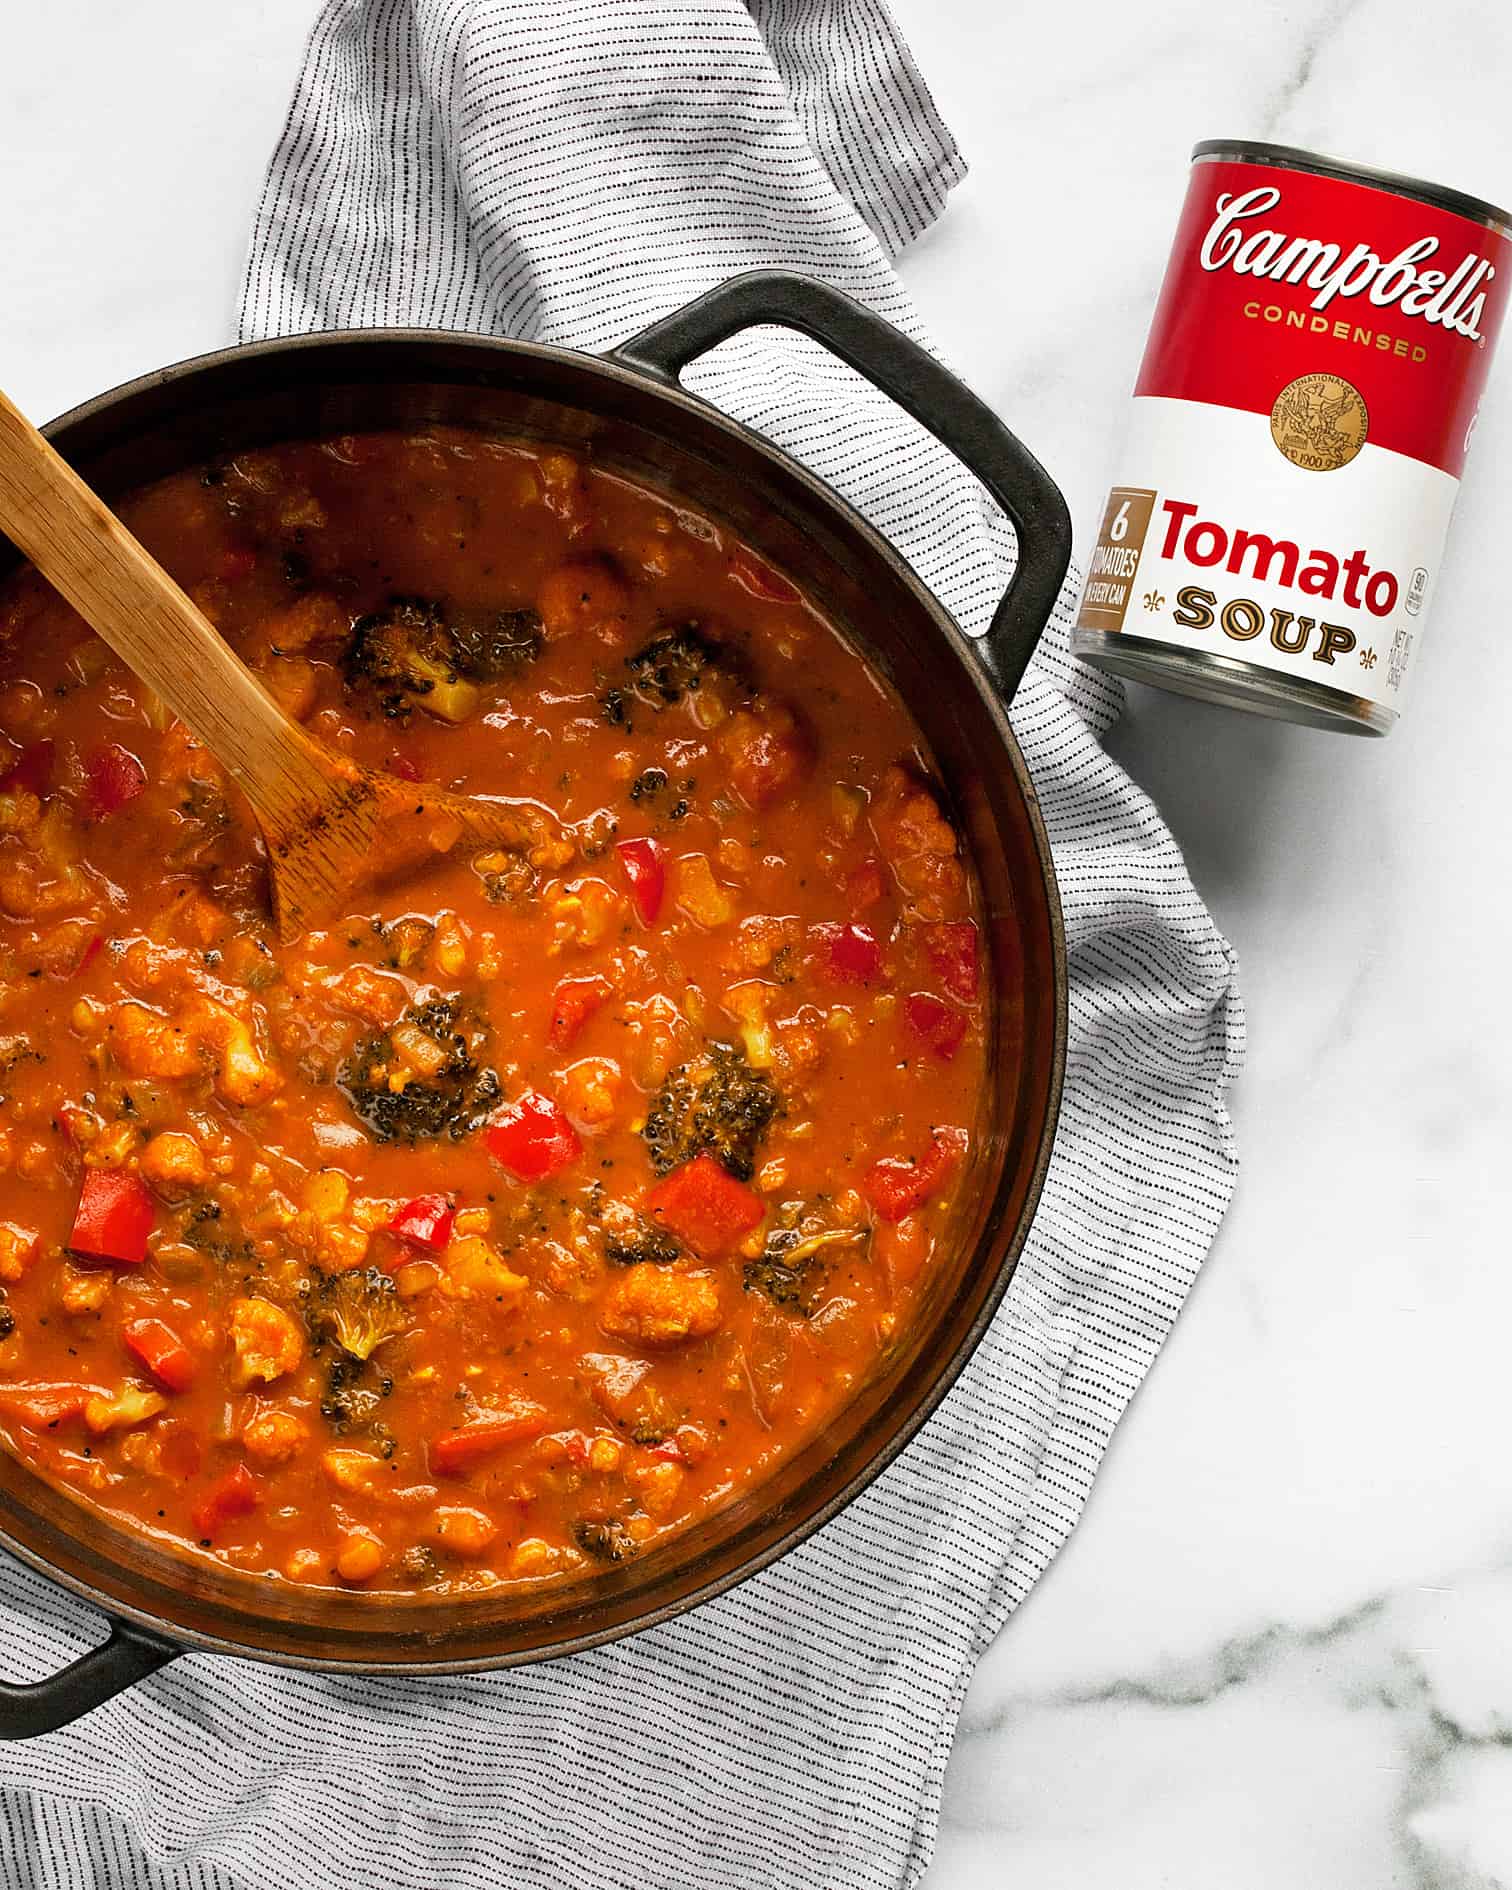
(629,411)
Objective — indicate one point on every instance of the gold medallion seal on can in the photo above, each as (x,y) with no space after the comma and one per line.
(1319,422)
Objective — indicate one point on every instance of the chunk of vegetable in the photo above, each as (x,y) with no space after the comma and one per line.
(490,1431)
(267,1340)
(645,869)
(39,1407)
(896,1188)
(935,1023)
(704,1206)
(134,1405)
(653,1307)
(160,1349)
(532,1138)
(954,949)
(574,1001)
(113,1218)
(236,1494)
(851,952)
(425,1222)
(113,779)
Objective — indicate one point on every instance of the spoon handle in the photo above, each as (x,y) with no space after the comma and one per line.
(125,595)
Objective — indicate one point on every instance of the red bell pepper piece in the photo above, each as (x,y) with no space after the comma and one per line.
(532,1138)
(113,1218)
(760,579)
(161,1350)
(954,950)
(645,867)
(935,1023)
(866,886)
(852,952)
(572,1003)
(705,1206)
(113,779)
(426,1221)
(32,769)
(896,1188)
(237,1494)
(40,1407)
(490,1431)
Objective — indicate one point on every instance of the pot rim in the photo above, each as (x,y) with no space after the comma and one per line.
(971,668)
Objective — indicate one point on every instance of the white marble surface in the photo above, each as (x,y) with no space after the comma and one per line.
(1277,1654)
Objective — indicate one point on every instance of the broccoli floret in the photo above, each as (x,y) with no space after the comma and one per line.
(354,1390)
(414,651)
(716,1104)
(671,666)
(790,1268)
(493,643)
(359,1309)
(641,1245)
(451,1099)
(607,1541)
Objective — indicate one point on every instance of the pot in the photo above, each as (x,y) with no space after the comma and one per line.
(628,409)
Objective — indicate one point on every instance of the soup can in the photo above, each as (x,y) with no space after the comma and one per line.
(1297,436)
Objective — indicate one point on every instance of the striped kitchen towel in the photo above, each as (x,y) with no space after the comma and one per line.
(566,170)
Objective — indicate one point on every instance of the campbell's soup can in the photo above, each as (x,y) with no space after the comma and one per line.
(1297,437)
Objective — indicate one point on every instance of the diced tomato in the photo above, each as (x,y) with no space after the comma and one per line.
(113,779)
(161,1350)
(851,951)
(668,1451)
(866,886)
(32,769)
(760,579)
(938,1024)
(113,1218)
(954,951)
(572,1003)
(426,1221)
(489,1432)
(645,867)
(896,1188)
(404,767)
(39,1407)
(237,1494)
(237,563)
(705,1206)
(532,1138)
(181,1453)
(576,1448)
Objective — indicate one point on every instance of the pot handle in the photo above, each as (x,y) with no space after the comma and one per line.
(42,1706)
(935,398)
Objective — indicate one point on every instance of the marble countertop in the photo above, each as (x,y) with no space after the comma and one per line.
(1278,1650)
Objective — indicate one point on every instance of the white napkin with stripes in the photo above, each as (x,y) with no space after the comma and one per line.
(567,170)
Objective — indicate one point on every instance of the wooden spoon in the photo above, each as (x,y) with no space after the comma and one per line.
(333,829)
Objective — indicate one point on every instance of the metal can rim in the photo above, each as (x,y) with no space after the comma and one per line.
(1291,157)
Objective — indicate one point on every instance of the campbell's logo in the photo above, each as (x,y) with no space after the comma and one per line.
(1455,300)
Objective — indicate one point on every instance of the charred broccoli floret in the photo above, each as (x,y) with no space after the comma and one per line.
(607,1541)
(354,1391)
(359,1310)
(414,652)
(716,1104)
(790,1269)
(422,1079)
(640,1245)
(673,665)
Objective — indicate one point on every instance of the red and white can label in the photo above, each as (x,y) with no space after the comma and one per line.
(1299,426)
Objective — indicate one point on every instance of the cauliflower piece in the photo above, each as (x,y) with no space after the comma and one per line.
(147,1044)
(475,1271)
(650,1306)
(589,1091)
(464,1531)
(699,895)
(770,751)
(133,1404)
(267,1340)
(174,1164)
(918,842)
(18,1249)
(585,912)
(84,1292)
(273,1437)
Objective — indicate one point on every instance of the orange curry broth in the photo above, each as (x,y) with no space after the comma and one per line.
(153,1031)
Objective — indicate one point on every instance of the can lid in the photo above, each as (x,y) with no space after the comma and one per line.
(1289,157)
